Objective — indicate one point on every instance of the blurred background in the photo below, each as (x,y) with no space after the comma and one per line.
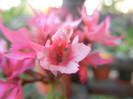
(118,84)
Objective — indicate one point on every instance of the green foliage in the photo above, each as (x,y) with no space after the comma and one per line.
(10,14)
(129,37)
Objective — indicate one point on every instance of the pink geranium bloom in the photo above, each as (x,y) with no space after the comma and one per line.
(11,90)
(98,33)
(61,55)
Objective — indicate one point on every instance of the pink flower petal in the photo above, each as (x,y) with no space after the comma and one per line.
(83,73)
(12,67)
(21,55)
(18,38)
(36,47)
(79,50)
(89,21)
(16,93)
(20,66)
(4,88)
(14,87)
(3,46)
(95,59)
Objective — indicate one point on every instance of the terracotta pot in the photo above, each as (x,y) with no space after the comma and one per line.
(102,73)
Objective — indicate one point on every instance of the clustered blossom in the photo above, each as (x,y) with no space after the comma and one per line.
(60,55)
(57,45)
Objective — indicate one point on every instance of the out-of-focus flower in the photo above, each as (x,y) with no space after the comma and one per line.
(95,59)
(13,67)
(90,21)
(19,39)
(98,33)
(43,26)
(61,55)
(11,90)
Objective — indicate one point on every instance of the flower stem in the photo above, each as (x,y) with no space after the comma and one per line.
(51,94)
(36,77)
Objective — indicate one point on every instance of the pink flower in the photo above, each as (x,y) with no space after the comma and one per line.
(11,90)
(90,21)
(19,39)
(43,26)
(61,55)
(13,67)
(98,33)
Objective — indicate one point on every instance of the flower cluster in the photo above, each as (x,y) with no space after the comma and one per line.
(57,42)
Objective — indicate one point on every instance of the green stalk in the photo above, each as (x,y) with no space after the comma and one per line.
(51,94)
